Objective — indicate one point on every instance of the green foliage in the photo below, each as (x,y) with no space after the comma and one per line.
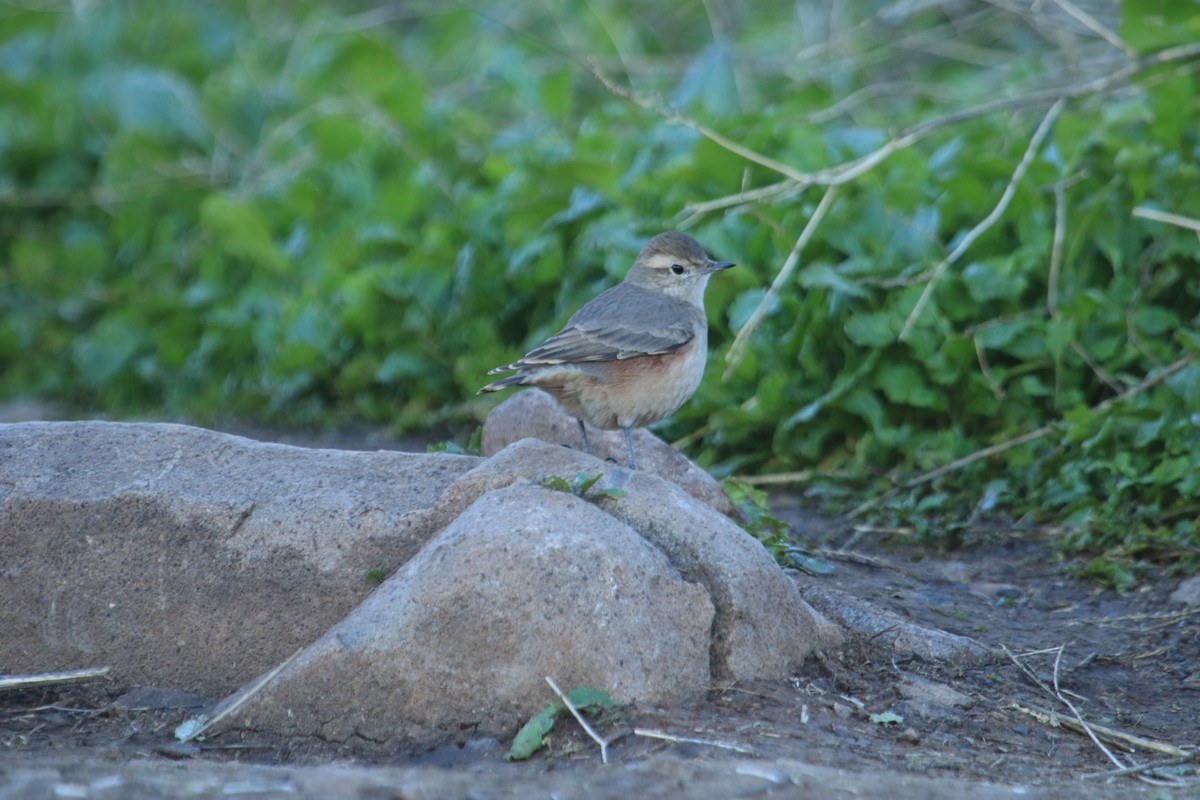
(532,736)
(759,522)
(313,212)
(473,447)
(582,484)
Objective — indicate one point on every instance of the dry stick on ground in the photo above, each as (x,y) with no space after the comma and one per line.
(1079,717)
(1125,740)
(1155,379)
(670,737)
(51,678)
(202,724)
(1094,732)
(579,718)
(1190,758)
(1035,143)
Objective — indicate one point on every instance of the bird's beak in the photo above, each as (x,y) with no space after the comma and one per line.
(716,265)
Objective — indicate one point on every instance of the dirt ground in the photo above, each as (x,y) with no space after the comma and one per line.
(860,723)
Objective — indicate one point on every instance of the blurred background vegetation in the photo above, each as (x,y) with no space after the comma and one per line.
(332,213)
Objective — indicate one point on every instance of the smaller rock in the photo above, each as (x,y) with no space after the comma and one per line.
(930,699)
(1187,593)
(526,583)
(885,627)
(915,687)
(533,414)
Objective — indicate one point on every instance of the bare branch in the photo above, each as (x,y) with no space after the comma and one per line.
(737,350)
(1035,143)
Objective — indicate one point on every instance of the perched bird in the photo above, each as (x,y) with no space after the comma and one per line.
(635,353)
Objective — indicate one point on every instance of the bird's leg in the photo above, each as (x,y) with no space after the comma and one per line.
(629,446)
(583,435)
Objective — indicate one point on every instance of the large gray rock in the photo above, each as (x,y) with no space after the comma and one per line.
(650,595)
(194,560)
(525,583)
(763,628)
(188,558)
(534,414)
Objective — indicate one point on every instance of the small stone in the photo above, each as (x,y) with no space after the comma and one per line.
(1187,593)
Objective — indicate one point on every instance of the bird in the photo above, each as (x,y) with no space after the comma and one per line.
(633,354)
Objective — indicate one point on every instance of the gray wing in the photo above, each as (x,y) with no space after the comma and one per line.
(625,321)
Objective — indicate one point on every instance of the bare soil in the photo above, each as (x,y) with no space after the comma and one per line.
(863,722)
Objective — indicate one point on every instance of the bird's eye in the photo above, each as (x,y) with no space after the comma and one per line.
(677,269)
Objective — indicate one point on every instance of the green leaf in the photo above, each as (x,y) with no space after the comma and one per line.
(887,718)
(153,101)
(1186,385)
(1150,25)
(904,383)
(532,734)
(556,93)
(587,698)
(1060,332)
(239,229)
(823,276)
(559,484)
(583,482)
(107,350)
(709,80)
(873,329)
(1155,320)
(994,280)
(584,201)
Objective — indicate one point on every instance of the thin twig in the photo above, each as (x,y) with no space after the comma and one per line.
(674,116)
(1035,143)
(775,478)
(1079,717)
(987,452)
(669,737)
(1094,25)
(237,702)
(1171,219)
(741,342)
(51,678)
(1174,762)
(849,170)
(1056,245)
(986,370)
(1093,731)
(1095,367)
(579,718)
(1115,737)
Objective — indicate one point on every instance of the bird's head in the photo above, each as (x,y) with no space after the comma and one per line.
(676,265)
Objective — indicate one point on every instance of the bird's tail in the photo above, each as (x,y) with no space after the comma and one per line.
(504,383)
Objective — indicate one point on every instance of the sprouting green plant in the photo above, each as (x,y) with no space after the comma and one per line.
(532,736)
(377,574)
(774,533)
(581,485)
